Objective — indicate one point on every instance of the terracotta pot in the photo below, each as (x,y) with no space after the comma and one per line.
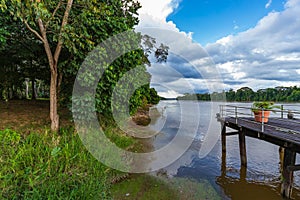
(258,116)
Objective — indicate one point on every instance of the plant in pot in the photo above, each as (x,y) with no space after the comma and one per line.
(262,110)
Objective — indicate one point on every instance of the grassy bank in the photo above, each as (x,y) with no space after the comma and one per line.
(50,166)
(38,164)
(145,187)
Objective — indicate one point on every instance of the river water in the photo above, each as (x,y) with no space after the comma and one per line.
(261,179)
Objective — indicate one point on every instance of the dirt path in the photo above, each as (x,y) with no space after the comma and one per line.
(25,115)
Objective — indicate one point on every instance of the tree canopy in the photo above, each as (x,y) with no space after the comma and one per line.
(59,34)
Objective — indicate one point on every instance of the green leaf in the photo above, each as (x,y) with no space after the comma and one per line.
(55,151)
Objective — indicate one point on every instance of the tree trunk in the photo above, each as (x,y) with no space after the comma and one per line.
(37,89)
(33,95)
(53,61)
(27,89)
(53,102)
(10,93)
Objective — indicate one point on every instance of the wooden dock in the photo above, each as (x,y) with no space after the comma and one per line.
(279,131)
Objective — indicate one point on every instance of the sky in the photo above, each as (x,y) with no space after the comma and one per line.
(243,43)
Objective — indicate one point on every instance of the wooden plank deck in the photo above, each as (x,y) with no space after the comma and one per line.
(282,132)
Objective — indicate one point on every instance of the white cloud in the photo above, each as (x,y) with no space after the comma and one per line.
(267,55)
(291,3)
(259,56)
(159,9)
(154,13)
(166,81)
(268,4)
(169,94)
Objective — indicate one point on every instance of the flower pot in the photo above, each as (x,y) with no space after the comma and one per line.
(258,116)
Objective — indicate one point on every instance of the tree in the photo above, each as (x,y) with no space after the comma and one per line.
(244,94)
(72,29)
(230,95)
(295,96)
(21,58)
(3,32)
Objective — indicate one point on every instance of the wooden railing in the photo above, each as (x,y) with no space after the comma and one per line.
(246,113)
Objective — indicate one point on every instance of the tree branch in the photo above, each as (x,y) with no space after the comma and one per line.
(63,24)
(54,12)
(53,67)
(34,31)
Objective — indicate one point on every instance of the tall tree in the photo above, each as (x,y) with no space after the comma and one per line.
(76,28)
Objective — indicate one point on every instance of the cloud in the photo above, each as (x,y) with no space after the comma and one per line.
(268,4)
(158,9)
(263,56)
(186,58)
(267,55)
(236,27)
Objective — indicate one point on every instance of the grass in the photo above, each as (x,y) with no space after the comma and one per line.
(144,187)
(38,164)
(50,166)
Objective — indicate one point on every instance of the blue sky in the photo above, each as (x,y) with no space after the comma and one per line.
(243,43)
(210,20)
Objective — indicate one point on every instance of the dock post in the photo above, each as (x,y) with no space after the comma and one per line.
(242,142)
(281,157)
(223,138)
(223,166)
(243,173)
(287,175)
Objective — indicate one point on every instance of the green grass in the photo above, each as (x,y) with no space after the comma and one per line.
(50,166)
(146,187)
(143,187)
(58,166)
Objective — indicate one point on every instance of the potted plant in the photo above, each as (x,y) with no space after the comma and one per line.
(262,110)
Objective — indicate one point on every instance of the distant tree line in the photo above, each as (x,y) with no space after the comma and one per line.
(283,94)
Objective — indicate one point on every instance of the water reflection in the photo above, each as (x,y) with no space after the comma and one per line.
(261,180)
(241,188)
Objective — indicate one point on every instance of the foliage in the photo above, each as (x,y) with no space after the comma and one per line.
(265,105)
(283,94)
(21,59)
(52,166)
(63,34)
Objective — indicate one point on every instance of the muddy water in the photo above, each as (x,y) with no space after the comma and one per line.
(261,179)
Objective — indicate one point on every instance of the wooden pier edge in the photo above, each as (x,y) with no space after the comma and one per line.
(287,155)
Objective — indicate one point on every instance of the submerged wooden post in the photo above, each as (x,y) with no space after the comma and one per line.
(223,134)
(287,175)
(223,137)
(243,173)
(242,142)
(223,164)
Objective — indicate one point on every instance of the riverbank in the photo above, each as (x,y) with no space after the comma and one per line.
(36,163)
(158,185)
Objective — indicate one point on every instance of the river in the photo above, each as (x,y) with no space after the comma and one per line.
(261,179)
